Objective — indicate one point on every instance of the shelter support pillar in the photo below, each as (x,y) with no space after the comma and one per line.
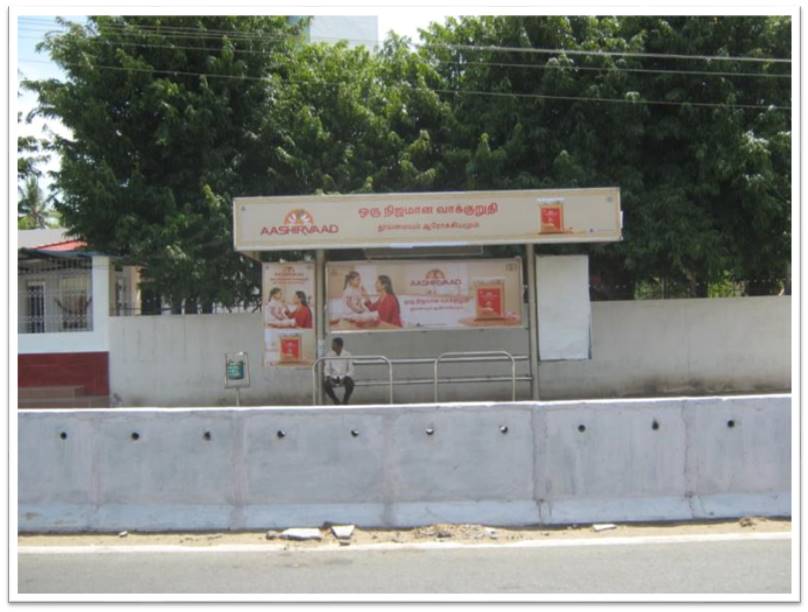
(319,316)
(533,323)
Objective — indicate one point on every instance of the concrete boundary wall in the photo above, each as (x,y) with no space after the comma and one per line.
(499,464)
(640,348)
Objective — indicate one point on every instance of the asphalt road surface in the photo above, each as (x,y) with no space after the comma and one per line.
(734,566)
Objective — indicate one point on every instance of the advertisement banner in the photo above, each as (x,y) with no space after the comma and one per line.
(417,294)
(288,306)
(412,219)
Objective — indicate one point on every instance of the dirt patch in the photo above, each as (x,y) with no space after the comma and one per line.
(463,533)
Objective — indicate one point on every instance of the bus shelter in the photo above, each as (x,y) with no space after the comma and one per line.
(414,264)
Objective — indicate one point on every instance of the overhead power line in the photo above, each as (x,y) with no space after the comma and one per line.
(446,91)
(199,32)
(735,58)
(545,66)
(614,68)
(614,100)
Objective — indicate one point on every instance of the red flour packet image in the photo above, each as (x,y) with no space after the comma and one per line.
(291,347)
(552,218)
(489,302)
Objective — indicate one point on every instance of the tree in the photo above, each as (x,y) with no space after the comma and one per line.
(31,151)
(704,189)
(29,154)
(165,114)
(33,209)
(173,117)
(352,121)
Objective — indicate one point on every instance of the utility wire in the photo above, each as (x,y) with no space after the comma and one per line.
(201,32)
(546,66)
(614,68)
(607,53)
(446,91)
(616,100)
(196,31)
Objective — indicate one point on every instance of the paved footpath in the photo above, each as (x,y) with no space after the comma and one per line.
(720,564)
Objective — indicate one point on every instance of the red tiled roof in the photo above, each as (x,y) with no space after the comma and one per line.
(68,245)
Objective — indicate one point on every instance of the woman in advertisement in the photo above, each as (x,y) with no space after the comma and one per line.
(386,305)
(301,313)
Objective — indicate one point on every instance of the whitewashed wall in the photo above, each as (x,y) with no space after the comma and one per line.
(692,346)
(639,348)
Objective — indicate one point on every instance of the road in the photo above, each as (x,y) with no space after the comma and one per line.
(705,566)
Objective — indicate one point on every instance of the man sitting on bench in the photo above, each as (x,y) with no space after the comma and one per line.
(338,372)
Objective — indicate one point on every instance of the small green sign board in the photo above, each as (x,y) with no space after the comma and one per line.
(236,370)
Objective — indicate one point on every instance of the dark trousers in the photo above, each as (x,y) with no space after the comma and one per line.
(330,383)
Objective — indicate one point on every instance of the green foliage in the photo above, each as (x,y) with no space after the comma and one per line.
(31,151)
(705,191)
(33,208)
(158,151)
(350,121)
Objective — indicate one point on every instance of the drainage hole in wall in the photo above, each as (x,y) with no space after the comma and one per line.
(582,428)
(63,435)
(281,433)
(207,435)
(429,431)
(135,435)
(655,425)
(354,432)
(730,423)
(503,429)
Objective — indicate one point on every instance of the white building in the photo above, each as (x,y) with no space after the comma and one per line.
(65,297)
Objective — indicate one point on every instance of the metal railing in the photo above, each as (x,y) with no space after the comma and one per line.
(435,380)
(359,360)
(473,356)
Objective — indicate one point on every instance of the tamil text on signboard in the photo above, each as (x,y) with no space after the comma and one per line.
(411,219)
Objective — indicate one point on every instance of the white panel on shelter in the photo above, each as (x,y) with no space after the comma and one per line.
(564,311)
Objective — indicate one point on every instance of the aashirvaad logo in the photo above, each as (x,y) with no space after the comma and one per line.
(435,278)
(299,222)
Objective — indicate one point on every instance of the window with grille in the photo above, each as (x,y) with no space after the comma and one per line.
(34,307)
(74,302)
(55,294)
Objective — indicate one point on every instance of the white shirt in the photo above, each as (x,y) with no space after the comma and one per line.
(338,368)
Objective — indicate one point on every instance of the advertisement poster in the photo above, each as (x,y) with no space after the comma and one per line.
(417,294)
(288,308)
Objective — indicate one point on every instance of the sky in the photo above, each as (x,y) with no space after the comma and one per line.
(407,24)
(33,65)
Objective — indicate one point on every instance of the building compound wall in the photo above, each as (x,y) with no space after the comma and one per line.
(514,463)
(639,348)
(65,358)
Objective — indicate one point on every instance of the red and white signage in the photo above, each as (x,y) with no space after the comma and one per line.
(413,294)
(412,219)
(288,307)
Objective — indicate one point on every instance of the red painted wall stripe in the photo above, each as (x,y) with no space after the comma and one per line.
(55,369)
